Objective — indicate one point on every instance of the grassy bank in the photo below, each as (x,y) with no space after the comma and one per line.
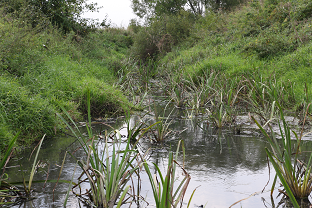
(42,67)
(249,56)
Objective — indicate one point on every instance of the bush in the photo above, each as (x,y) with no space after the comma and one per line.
(17,46)
(270,44)
(161,35)
(66,15)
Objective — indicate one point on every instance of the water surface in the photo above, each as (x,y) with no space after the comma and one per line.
(225,167)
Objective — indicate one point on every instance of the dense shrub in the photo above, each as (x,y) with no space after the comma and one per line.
(270,44)
(17,46)
(66,15)
(161,34)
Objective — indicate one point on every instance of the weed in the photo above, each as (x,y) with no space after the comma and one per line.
(106,171)
(161,130)
(164,191)
(294,175)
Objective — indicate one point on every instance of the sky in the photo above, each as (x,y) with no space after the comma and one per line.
(118,11)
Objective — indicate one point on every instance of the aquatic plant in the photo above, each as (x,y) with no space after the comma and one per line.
(262,92)
(160,128)
(107,171)
(7,191)
(10,192)
(166,195)
(294,174)
(176,90)
(218,116)
(201,91)
(220,112)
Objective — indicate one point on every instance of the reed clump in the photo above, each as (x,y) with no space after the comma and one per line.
(294,174)
(166,193)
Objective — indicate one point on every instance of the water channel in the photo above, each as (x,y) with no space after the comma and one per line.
(225,167)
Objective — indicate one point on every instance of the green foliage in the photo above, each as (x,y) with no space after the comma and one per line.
(151,8)
(275,28)
(161,35)
(66,15)
(134,26)
(105,99)
(17,44)
(166,195)
(144,46)
(268,45)
(41,67)
(294,175)
(23,111)
(265,44)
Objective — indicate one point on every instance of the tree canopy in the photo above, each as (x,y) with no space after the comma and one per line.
(66,14)
(148,8)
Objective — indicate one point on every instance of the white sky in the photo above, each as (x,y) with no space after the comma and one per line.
(118,11)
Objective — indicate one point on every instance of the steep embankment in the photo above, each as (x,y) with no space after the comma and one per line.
(42,68)
(262,42)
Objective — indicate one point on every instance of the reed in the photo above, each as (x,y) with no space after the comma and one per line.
(108,170)
(160,130)
(166,194)
(8,192)
(262,92)
(293,174)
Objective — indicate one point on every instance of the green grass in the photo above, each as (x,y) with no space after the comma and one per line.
(165,193)
(272,40)
(41,68)
(21,110)
(295,175)
(263,38)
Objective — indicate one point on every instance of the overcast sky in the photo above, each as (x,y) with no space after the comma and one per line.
(118,11)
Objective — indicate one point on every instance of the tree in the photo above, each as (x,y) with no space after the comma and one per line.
(143,8)
(66,14)
(149,8)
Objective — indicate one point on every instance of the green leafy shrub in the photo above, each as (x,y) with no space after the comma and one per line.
(144,46)
(161,35)
(134,26)
(270,44)
(66,15)
(17,46)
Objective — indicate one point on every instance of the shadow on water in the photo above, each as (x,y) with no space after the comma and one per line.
(225,167)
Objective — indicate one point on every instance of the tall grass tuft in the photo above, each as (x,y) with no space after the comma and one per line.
(294,174)
(106,170)
(161,130)
(167,195)
(7,191)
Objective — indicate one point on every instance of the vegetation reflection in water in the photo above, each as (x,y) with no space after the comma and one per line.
(224,167)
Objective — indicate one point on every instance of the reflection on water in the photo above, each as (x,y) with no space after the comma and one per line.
(224,167)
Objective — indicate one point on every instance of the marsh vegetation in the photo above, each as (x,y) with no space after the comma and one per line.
(222,66)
